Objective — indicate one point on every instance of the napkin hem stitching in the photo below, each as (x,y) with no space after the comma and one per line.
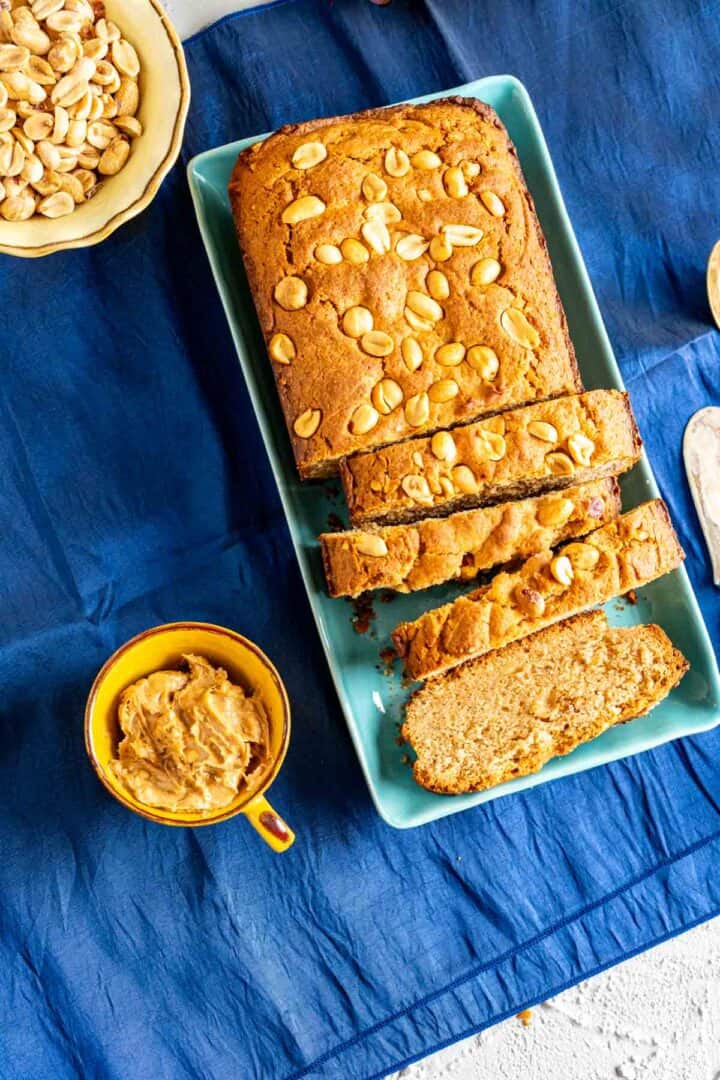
(479,969)
(497,1018)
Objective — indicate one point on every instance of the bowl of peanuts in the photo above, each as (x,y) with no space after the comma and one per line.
(93,100)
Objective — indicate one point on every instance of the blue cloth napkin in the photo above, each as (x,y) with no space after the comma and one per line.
(134,490)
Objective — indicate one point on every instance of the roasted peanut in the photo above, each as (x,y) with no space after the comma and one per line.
(364,419)
(308,155)
(113,159)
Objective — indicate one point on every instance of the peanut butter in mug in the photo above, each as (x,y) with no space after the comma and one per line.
(192,739)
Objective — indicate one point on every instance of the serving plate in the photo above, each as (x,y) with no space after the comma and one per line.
(371,699)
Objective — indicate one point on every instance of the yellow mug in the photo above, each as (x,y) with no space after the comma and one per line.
(162,648)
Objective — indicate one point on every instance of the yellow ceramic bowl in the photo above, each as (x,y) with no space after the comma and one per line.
(164,100)
(161,648)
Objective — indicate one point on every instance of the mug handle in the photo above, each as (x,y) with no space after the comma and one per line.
(274,831)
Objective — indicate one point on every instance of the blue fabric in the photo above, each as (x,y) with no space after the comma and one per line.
(134,489)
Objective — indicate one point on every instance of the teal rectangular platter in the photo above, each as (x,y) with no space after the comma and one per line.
(372,701)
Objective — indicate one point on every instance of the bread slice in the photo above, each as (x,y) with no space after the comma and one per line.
(632,550)
(415,556)
(506,714)
(518,454)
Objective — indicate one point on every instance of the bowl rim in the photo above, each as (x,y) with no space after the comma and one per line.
(224,812)
(151,188)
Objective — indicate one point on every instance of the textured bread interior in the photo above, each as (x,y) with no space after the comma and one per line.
(506,714)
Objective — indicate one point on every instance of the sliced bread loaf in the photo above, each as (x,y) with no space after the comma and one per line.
(518,454)
(506,714)
(428,552)
(625,554)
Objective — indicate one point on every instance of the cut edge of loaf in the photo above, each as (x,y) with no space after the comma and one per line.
(427,433)
(448,635)
(519,489)
(458,547)
(588,631)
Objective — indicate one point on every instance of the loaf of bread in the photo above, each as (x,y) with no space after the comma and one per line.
(399,274)
(628,552)
(520,453)
(428,552)
(506,714)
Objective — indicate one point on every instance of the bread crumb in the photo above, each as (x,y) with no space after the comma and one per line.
(388,656)
(525,1017)
(631,596)
(363,613)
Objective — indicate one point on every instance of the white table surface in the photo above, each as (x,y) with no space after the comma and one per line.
(655,1017)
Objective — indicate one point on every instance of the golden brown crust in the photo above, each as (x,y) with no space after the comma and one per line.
(507,713)
(625,554)
(522,452)
(331,374)
(429,552)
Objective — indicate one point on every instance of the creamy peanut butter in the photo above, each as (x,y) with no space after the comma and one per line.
(192,739)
